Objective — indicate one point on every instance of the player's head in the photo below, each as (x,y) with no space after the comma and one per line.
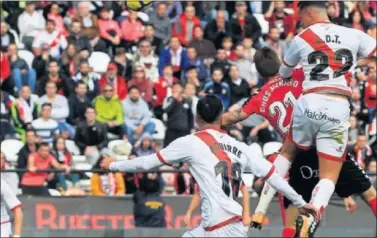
(267,63)
(312,12)
(209,111)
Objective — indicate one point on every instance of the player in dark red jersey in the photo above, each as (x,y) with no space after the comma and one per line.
(275,102)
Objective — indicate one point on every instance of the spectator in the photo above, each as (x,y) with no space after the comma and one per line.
(370,96)
(89,78)
(63,157)
(40,62)
(24,111)
(218,87)
(91,137)
(106,183)
(221,62)
(149,35)
(137,116)
(190,97)
(161,89)
(356,20)
(118,82)
(274,42)
(21,72)
(334,14)
(174,55)
(227,45)
(78,103)
(245,24)
(184,28)
(145,85)
(239,87)
(6,82)
(362,151)
(132,30)
(278,18)
(11,178)
(194,61)
(109,110)
(29,147)
(180,119)
(78,38)
(161,22)
(353,131)
(246,68)
(56,16)
(144,148)
(52,37)
(146,57)
(109,30)
(45,127)
(192,77)
(249,50)
(30,23)
(32,182)
(6,37)
(174,10)
(124,66)
(64,85)
(217,29)
(204,48)
(70,61)
(6,128)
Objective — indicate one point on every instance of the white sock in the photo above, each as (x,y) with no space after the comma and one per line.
(282,166)
(322,193)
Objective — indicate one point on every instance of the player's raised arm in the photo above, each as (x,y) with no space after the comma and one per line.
(233,117)
(291,59)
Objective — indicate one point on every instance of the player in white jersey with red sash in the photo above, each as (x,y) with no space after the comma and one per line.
(9,202)
(328,54)
(215,160)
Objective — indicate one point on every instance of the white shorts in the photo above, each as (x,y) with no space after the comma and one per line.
(322,121)
(235,229)
(6,230)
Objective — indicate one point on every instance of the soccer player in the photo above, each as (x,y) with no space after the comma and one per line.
(216,161)
(9,201)
(275,102)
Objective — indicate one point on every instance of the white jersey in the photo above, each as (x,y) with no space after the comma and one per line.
(9,201)
(328,54)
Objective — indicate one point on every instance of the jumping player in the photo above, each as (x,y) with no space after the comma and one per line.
(275,102)
(215,160)
(10,202)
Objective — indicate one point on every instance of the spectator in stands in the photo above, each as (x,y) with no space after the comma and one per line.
(239,87)
(62,155)
(25,110)
(91,137)
(218,87)
(109,30)
(11,178)
(356,20)
(109,110)
(145,85)
(21,72)
(227,45)
(249,50)
(246,68)
(174,55)
(6,82)
(362,151)
(192,77)
(56,16)
(149,35)
(180,118)
(217,29)
(52,37)
(161,22)
(274,42)
(89,78)
(32,182)
(190,97)
(30,23)
(40,62)
(184,27)
(146,58)
(6,128)
(197,63)
(132,30)
(29,147)
(137,116)
(6,37)
(118,82)
(174,10)
(45,127)
(78,38)
(144,148)
(278,18)
(221,62)
(245,24)
(106,183)
(70,60)
(353,131)
(204,48)
(124,66)
(370,96)
(78,103)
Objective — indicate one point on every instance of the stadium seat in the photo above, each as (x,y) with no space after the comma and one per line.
(99,61)
(54,192)
(19,44)
(10,148)
(262,22)
(257,149)
(78,159)
(72,147)
(159,133)
(114,143)
(271,147)
(27,56)
(84,166)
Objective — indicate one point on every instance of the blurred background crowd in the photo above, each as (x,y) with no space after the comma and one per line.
(83,80)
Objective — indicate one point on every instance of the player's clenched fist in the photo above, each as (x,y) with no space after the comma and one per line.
(106,161)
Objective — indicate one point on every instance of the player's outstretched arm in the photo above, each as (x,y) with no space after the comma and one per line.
(233,117)
(140,164)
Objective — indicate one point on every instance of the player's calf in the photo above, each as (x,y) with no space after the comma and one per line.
(370,197)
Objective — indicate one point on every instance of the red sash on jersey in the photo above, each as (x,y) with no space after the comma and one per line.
(55,42)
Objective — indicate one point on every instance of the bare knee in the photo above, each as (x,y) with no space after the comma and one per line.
(329,169)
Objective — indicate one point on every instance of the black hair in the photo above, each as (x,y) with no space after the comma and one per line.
(304,4)
(218,69)
(51,21)
(149,24)
(30,130)
(267,62)
(90,107)
(209,108)
(133,87)
(46,104)
(191,68)
(80,82)
(53,61)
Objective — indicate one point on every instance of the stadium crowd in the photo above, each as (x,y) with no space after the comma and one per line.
(93,72)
